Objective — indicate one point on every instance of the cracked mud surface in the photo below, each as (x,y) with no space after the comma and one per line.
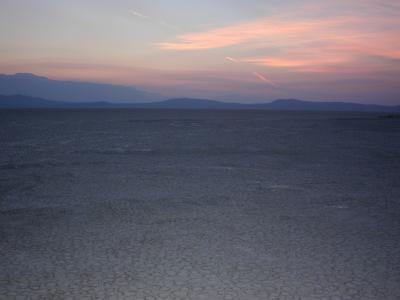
(198,205)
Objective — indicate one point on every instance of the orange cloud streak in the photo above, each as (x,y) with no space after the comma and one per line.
(273,31)
(316,44)
(239,34)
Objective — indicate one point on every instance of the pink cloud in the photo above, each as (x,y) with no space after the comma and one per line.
(238,34)
(312,44)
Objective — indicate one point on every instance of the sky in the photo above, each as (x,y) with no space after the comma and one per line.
(233,50)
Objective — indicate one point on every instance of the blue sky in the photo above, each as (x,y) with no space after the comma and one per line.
(241,50)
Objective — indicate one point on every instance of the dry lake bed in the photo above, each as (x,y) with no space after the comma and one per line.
(175,204)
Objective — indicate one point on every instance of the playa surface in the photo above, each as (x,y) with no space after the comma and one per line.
(148,204)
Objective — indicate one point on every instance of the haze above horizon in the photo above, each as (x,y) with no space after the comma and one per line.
(227,50)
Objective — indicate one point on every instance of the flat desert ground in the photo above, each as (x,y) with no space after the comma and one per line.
(176,204)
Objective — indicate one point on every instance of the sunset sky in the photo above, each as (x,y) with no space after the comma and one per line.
(239,50)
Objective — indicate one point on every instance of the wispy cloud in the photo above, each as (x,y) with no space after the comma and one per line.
(162,23)
(308,44)
(248,65)
(231,59)
(264,78)
(235,35)
(139,15)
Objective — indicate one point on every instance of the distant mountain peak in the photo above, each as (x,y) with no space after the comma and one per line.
(190,100)
(71,91)
(28,76)
(20,101)
(288,101)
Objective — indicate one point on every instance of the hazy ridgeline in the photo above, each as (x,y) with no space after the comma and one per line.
(179,204)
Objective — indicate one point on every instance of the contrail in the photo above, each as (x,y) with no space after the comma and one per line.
(159,22)
(138,14)
(264,78)
(258,75)
(232,59)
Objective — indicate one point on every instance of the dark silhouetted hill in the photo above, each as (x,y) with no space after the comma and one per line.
(293,104)
(21,101)
(190,103)
(281,104)
(71,91)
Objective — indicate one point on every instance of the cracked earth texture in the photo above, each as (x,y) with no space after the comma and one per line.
(148,204)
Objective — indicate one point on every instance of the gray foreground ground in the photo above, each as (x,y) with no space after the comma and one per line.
(199,205)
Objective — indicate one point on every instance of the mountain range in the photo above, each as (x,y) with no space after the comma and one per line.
(24,90)
(71,91)
(21,101)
